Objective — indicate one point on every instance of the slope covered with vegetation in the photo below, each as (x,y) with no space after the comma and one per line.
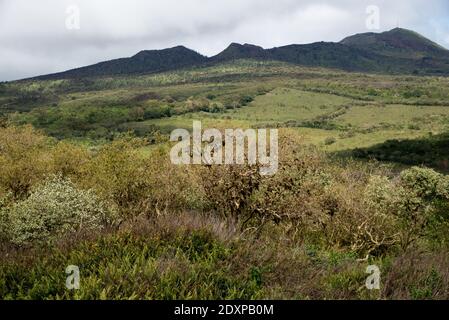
(398,51)
(147,61)
(146,229)
(86,180)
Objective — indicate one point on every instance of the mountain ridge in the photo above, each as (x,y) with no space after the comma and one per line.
(395,51)
(398,39)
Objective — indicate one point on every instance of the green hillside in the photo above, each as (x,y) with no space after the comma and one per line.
(398,51)
(397,42)
(86,180)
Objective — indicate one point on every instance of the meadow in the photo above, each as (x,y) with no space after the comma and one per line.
(86,180)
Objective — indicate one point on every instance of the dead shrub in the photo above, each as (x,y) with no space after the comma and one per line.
(229,190)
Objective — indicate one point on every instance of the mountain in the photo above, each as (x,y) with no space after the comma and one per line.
(147,61)
(238,51)
(324,54)
(398,51)
(397,43)
(403,51)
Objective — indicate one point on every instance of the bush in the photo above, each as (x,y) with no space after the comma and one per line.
(382,200)
(122,175)
(409,203)
(245,100)
(118,174)
(23,159)
(67,159)
(426,183)
(293,194)
(425,196)
(329,141)
(54,209)
(4,202)
(229,189)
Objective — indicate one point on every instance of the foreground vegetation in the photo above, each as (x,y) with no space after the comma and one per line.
(140,228)
(85,180)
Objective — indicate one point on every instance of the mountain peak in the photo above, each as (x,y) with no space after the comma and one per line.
(240,51)
(144,62)
(398,42)
(179,49)
(245,45)
(396,51)
(401,30)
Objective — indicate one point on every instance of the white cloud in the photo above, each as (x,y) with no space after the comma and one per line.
(34,39)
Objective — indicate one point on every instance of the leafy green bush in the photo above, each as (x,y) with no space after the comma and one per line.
(426,183)
(118,174)
(329,141)
(23,159)
(53,209)
(4,201)
(134,184)
(409,203)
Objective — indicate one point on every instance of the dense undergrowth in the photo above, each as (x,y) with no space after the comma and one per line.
(140,228)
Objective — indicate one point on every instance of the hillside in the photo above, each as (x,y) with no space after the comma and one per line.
(397,42)
(98,159)
(398,51)
(147,61)
(237,51)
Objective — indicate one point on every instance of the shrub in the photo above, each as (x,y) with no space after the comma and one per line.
(245,100)
(339,216)
(329,141)
(328,203)
(381,195)
(181,187)
(54,209)
(23,159)
(135,184)
(67,159)
(425,183)
(425,201)
(409,203)
(4,202)
(382,200)
(229,190)
(118,174)
(293,194)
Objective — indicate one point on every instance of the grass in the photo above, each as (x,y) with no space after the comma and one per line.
(192,258)
(423,117)
(283,104)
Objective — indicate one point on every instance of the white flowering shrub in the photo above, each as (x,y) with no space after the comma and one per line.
(412,201)
(443,188)
(382,195)
(425,183)
(55,208)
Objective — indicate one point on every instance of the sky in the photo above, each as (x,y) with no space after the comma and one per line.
(46,36)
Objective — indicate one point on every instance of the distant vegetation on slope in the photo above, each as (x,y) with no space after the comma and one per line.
(149,61)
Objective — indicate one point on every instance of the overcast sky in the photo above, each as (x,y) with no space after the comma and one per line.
(35,39)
